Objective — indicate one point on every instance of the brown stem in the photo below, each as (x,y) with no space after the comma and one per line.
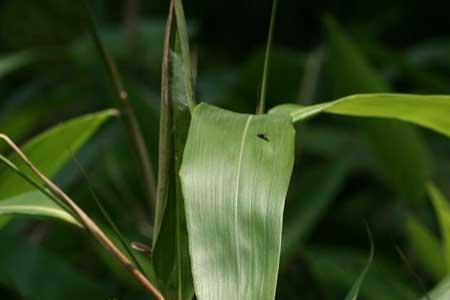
(132,125)
(87,222)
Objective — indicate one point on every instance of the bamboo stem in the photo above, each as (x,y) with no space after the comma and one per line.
(87,222)
(131,123)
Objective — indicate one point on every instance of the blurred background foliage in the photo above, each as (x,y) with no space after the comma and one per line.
(348,171)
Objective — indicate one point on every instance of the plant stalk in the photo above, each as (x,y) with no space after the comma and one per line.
(129,116)
(88,223)
(262,101)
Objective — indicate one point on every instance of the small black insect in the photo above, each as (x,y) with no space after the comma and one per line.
(263,136)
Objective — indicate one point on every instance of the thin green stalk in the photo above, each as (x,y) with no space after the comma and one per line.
(262,100)
(105,214)
(185,52)
(132,125)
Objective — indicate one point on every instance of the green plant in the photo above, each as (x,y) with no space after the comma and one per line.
(222,179)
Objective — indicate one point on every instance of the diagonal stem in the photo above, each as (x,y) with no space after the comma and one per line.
(131,123)
(87,222)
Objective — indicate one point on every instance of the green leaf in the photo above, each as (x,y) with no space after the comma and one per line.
(401,152)
(428,111)
(315,195)
(171,253)
(37,274)
(170,239)
(354,292)
(35,203)
(50,150)
(337,268)
(182,34)
(442,209)
(13,62)
(440,292)
(235,175)
(426,247)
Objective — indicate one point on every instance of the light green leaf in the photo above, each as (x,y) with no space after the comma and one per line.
(35,203)
(50,150)
(442,209)
(440,292)
(426,247)
(428,111)
(235,175)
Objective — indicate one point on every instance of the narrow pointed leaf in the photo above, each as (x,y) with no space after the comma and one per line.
(442,209)
(235,175)
(13,62)
(50,150)
(428,111)
(354,292)
(37,204)
(400,150)
(426,247)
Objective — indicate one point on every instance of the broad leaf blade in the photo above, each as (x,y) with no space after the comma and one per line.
(35,203)
(50,150)
(235,175)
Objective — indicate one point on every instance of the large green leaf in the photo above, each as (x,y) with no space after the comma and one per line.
(401,152)
(235,175)
(37,274)
(35,203)
(442,209)
(428,111)
(50,150)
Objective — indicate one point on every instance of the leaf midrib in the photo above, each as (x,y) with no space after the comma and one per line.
(236,219)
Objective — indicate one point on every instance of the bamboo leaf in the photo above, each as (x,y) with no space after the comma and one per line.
(35,204)
(440,292)
(337,268)
(38,274)
(442,209)
(171,254)
(14,61)
(235,175)
(400,150)
(49,150)
(426,247)
(354,292)
(428,111)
